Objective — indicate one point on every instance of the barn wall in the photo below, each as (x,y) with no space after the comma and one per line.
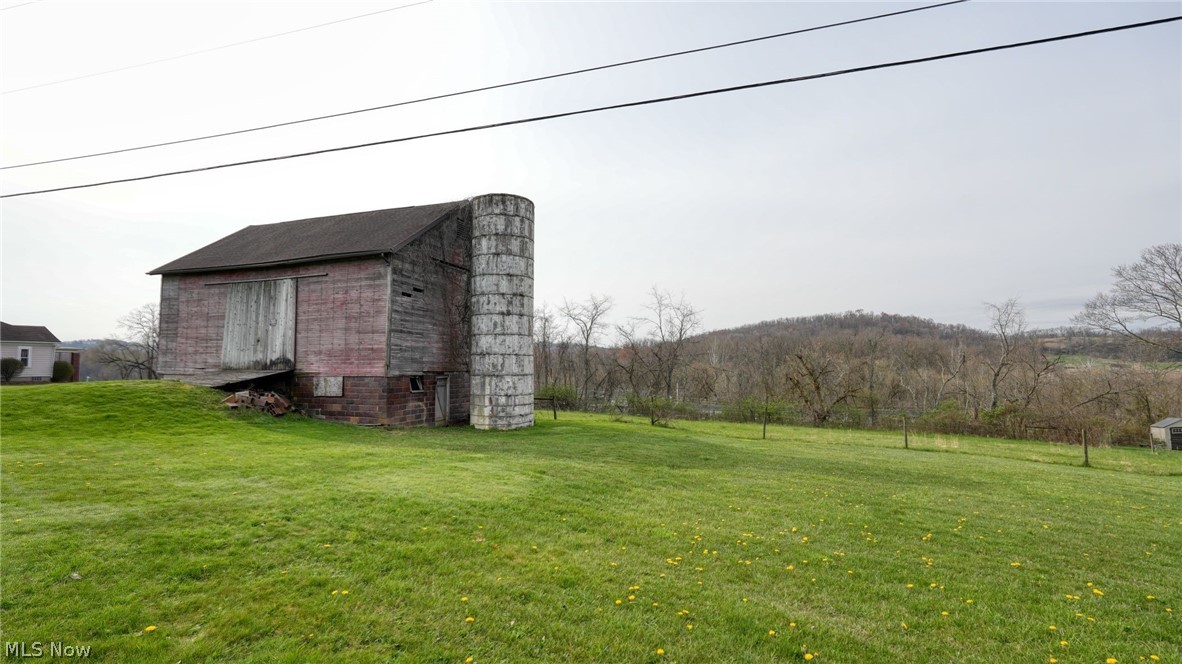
(340,317)
(429,301)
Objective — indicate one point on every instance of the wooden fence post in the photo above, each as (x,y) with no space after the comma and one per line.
(1085,446)
(905,442)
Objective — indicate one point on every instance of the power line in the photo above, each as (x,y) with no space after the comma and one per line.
(497,86)
(212,49)
(4,9)
(645,102)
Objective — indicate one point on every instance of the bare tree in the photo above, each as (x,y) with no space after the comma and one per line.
(588,319)
(671,323)
(1146,293)
(820,379)
(135,354)
(1008,322)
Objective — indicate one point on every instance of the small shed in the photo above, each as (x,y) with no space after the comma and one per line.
(1168,432)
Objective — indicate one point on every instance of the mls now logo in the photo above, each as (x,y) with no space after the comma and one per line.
(40,649)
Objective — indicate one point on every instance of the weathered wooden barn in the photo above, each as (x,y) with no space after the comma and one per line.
(415,315)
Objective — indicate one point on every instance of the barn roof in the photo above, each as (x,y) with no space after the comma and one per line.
(27,333)
(1167,423)
(320,238)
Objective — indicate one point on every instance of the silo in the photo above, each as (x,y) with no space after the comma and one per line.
(502,292)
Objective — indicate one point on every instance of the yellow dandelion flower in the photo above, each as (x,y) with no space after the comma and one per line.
(469,660)
(619,601)
(1052,628)
(1155,658)
(1110,660)
(968,601)
(1053,661)
(660,651)
(771,632)
(910,585)
(1015,564)
(335,592)
(631,598)
(656,604)
(808,657)
(150,628)
(792,624)
(1150,597)
(469,619)
(688,626)
(1097,592)
(1063,643)
(943,613)
(904,625)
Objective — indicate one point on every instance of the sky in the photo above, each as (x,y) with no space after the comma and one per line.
(925,190)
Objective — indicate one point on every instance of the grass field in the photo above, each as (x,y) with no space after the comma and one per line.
(201,535)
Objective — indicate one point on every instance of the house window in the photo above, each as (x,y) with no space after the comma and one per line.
(416,383)
(24,351)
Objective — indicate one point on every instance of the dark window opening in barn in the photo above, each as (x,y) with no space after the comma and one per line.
(416,383)
(406,294)
(417,289)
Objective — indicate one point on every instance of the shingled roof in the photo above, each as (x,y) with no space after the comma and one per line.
(37,333)
(320,238)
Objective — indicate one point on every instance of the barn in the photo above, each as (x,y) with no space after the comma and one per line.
(408,316)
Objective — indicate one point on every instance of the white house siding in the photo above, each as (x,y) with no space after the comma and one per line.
(41,356)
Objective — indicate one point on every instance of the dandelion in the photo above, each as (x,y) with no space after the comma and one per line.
(792,624)
(1110,660)
(904,625)
(464,598)
(469,619)
(1063,643)
(689,626)
(1155,658)
(660,651)
(469,661)
(656,604)
(335,592)
(150,628)
(1053,661)
(808,657)
(1150,597)
(1015,564)
(910,585)
(771,632)
(1052,628)
(944,613)
(631,598)
(619,602)
(1097,592)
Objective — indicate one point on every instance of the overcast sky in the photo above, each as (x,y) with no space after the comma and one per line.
(923,190)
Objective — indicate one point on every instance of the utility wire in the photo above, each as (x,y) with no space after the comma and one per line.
(4,9)
(645,102)
(486,88)
(210,50)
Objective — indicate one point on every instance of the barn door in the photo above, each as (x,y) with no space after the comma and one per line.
(260,325)
(442,402)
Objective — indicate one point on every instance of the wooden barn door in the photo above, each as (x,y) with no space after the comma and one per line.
(442,401)
(260,325)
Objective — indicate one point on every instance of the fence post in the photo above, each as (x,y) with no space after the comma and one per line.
(1085,446)
(905,446)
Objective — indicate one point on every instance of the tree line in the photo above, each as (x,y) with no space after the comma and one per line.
(868,370)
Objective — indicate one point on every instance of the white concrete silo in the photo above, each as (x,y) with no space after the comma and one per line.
(502,292)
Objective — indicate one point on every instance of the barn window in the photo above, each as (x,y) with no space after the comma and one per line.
(416,383)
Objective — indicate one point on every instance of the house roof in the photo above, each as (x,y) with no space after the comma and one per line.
(320,238)
(1167,423)
(36,333)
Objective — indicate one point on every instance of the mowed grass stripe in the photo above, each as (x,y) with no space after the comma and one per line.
(211,526)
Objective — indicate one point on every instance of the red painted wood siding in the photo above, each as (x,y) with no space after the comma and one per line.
(340,318)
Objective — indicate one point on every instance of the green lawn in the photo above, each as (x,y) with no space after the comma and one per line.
(237,536)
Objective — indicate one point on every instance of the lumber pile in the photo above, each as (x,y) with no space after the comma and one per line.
(268,402)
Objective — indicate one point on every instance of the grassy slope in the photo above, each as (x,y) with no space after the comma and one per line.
(213,528)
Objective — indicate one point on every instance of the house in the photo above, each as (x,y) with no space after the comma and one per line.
(37,348)
(411,316)
(1168,432)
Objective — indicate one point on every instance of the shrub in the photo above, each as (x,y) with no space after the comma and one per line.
(10,368)
(62,371)
(566,396)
